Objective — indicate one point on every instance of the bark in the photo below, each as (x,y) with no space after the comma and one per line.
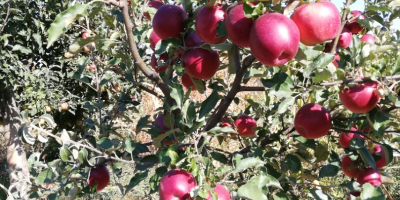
(16,157)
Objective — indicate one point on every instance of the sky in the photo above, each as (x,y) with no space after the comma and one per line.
(359,5)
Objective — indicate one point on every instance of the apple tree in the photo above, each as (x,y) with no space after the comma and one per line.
(318,121)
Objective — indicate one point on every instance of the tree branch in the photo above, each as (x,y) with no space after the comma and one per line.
(344,15)
(6,19)
(250,89)
(152,75)
(224,104)
(361,80)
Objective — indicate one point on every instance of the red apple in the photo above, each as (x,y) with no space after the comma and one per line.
(187,82)
(344,138)
(317,22)
(176,184)
(355,194)
(368,38)
(337,57)
(312,121)
(226,124)
(221,191)
(193,40)
(382,161)
(154,39)
(345,39)
(99,175)
(201,63)
(85,35)
(360,98)
(353,25)
(163,24)
(206,24)
(238,26)
(159,121)
(347,162)
(274,39)
(370,175)
(155,4)
(246,126)
(164,58)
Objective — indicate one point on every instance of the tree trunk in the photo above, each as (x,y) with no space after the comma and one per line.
(16,157)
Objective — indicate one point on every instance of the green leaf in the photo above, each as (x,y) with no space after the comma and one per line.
(45,176)
(129,145)
(221,31)
(319,62)
(273,182)
(388,153)
(219,157)
(174,156)
(319,195)
(105,143)
(63,20)
(247,163)
(383,48)
(367,157)
(64,153)
(225,129)
(105,79)
(380,8)
(321,153)
(209,104)
(357,143)
(325,73)
(232,56)
(142,123)
(281,196)
(255,188)
(79,43)
(395,68)
(164,45)
(379,120)
(291,163)
(283,106)
(328,171)
(135,180)
(372,193)
(177,93)
(22,49)
(251,11)
(280,85)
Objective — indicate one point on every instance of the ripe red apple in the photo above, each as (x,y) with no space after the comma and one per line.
(355,194)
(176,184)
(86,35)
(64,106)
(345,39)
(163,24)
(370,175)
(206,24)
(353,25)
(154,64)
(153,39)
(193,40)
(238,26)
(187,82)
(159,121)
(344,138)
(368,38)
(201,63)
(337,57)
(360,98)
(274,39)
(312,121)
(99,175)
(155,4)
(226,124)
(221,191)
(382,161)
(347,162)
(246,126)
(317,22)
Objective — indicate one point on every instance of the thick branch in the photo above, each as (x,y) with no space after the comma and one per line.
(344,15)
(360,80)
(224,104)
(152,75)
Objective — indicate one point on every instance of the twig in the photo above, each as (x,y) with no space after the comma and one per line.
(4,188)
(119,4)
(250,88)
(360,80)
(361,133)
(6,19)
(343,22)
(85,146)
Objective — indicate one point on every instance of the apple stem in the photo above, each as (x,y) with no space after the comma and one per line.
(344,16)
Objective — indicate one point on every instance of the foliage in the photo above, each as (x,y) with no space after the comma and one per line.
(47,62)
